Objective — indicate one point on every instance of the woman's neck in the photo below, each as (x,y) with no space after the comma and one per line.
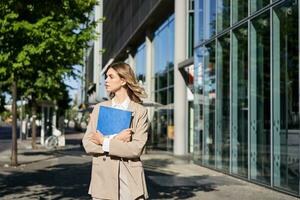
(120,96)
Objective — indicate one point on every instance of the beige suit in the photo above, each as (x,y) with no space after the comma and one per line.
(105,168)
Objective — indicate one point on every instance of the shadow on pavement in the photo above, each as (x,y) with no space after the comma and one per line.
(168,187)
(164,183)
(60,181)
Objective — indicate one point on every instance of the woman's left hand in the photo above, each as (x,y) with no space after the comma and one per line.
(97,138)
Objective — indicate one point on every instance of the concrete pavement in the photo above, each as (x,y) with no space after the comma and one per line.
(65,174)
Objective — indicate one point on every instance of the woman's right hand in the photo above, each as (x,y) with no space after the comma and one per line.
(124,135)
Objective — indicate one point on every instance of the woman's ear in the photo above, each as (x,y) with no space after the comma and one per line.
(123,82)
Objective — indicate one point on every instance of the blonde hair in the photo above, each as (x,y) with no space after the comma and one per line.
(134,90)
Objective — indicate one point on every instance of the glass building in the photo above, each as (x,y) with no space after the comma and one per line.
(246,60)
(222,78)
(163,90)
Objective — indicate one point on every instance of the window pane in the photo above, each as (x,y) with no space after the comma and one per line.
(171,77)
(170,130)
(258,4)
(199,19)
(198,105)
(163,69)
(209,105)
(223,14)
(239,10)
(210,18)
(140,67)
(163,97)
(223,103)
(160,133)
(191,35)
(171,95)
(285,96)
(240,101)
(260,104)
(191,28)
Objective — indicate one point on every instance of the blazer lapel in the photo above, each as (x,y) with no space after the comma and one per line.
(132,107)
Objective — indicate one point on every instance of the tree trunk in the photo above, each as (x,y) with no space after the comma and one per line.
(14,145)
(33,133)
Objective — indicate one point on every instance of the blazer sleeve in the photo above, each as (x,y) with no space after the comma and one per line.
(134,148)
(90,147)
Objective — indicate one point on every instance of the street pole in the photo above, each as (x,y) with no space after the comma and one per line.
(14,147)
(21,119)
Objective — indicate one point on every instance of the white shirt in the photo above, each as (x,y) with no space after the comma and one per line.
(124,106)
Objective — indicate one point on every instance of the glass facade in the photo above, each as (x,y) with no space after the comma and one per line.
(198,105)
(239,10)
(239,101)
(209,95)
(140,64)
(223,14)
(256,5)
(260,102)
(163,120)
(246,81)
(286,96)
(223,103)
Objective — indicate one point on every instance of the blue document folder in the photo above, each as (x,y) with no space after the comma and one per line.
(112,120)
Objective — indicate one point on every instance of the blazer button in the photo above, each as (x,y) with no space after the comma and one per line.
(104,159)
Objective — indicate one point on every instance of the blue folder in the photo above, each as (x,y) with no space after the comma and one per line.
(112,120)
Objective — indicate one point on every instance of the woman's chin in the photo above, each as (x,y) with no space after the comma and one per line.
(109,90)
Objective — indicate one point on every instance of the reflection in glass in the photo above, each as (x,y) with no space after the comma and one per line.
(223,103)
(286,96)
(170,129)
(199,20)
(159,130)
(140,67)
(260,103)
(198,105)
(239,10)
(223,14)
(258,4)
(239,120)
(170,95)
(209,92)
(170,76)
(162,123)
(210,18)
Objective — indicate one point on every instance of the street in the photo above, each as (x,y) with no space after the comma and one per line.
(65,174)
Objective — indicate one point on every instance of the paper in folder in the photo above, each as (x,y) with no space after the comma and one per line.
(112,120)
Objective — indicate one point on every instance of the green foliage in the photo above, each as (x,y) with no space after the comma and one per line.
(40,41)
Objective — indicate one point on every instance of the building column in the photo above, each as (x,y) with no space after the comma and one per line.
(97,50)
(180,94)
(149,87)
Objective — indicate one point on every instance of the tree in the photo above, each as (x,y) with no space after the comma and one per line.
(40,41)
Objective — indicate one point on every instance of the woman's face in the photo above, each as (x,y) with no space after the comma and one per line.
(113,82)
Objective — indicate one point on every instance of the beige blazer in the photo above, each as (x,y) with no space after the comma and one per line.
(105,168)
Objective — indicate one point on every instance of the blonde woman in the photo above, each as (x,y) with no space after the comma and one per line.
(117,171)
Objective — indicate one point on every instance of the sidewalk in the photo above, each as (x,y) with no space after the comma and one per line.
(65,174)
(175,178)
(27,155)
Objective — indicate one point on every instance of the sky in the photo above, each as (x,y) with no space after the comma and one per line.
(74,83)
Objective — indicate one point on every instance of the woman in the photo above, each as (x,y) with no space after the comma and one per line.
(117,171)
